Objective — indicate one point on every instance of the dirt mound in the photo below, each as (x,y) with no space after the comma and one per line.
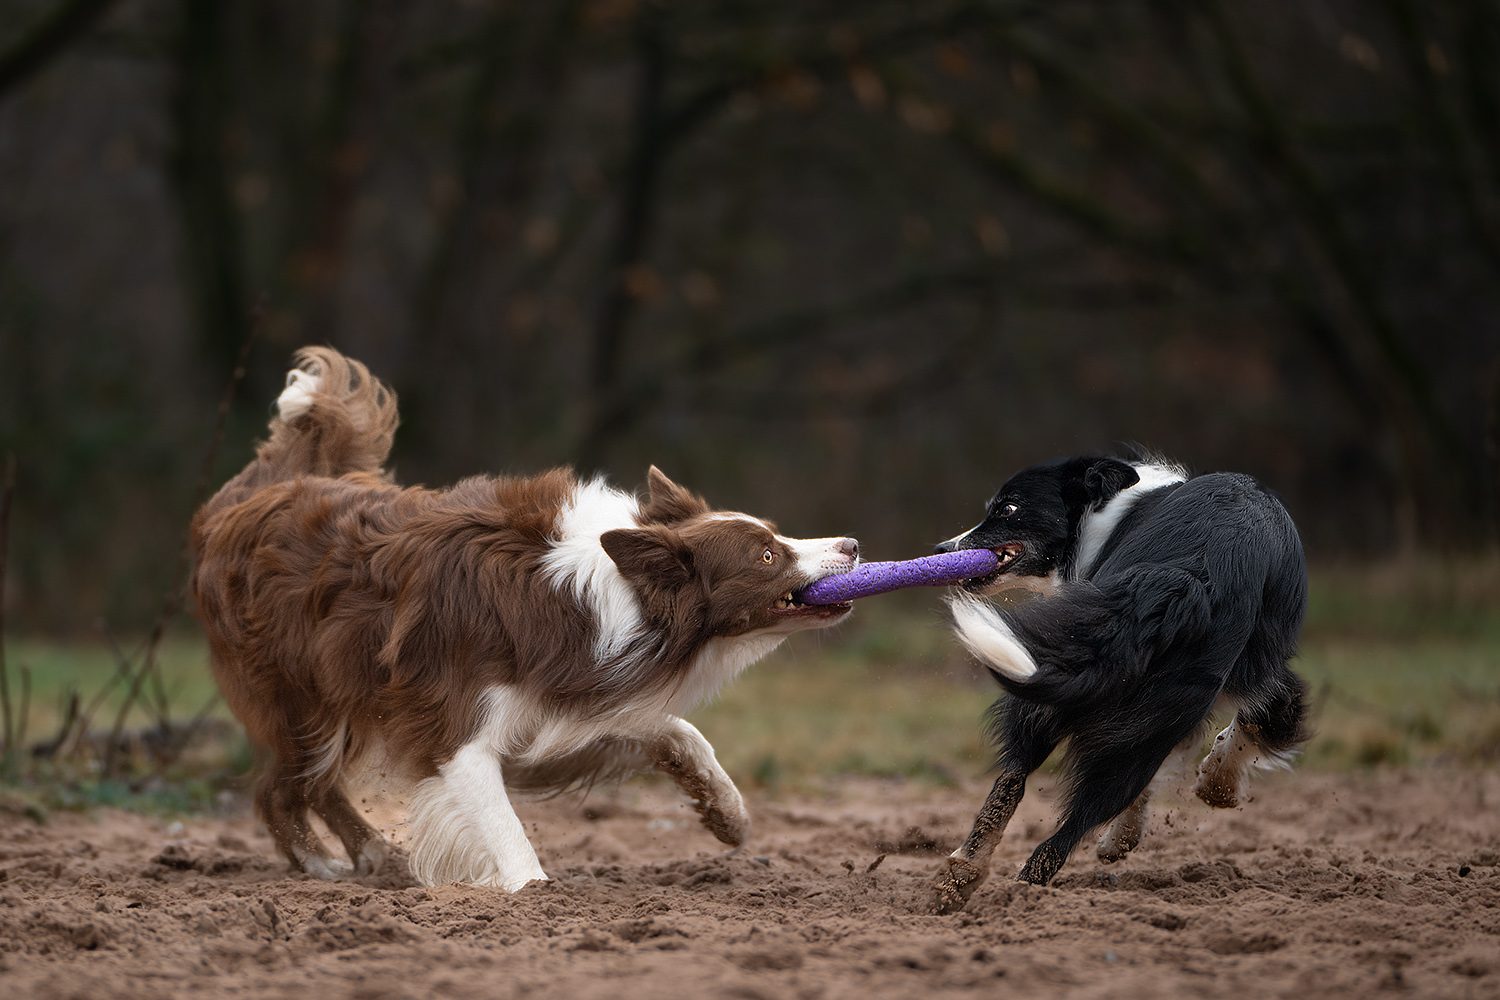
(1324,886)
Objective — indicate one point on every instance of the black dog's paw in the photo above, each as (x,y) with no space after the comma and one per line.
(954,884)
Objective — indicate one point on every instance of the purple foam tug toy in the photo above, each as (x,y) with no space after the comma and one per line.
(880,577)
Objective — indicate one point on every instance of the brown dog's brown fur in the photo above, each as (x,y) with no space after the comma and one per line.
(343,611)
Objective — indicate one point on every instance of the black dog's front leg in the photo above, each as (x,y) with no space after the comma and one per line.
(966,868)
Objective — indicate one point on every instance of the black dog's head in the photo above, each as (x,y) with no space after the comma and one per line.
(1032,523)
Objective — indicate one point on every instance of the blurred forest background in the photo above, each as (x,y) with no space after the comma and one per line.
(846,265)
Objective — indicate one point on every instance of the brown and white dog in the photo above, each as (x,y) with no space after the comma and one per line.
(523,633)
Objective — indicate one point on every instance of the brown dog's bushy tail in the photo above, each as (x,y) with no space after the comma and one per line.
(333,418)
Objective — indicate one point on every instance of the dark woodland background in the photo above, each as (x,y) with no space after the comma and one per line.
(846,265)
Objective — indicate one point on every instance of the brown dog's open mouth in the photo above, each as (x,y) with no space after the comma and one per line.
(1008,553)
(787,606)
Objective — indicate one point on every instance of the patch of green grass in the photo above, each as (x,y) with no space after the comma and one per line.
(1403,660)
(1398,701)
(1403,664)
(60,668)
(800,715)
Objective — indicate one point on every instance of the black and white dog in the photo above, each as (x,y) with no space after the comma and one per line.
(1160,595)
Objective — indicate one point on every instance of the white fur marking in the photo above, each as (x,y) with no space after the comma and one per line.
(463,828)
(297,398)
(330,759)
(1098,525)
(579,562)
(719,662)
(953,542)
(820,557)
(1224,775)
(985,633)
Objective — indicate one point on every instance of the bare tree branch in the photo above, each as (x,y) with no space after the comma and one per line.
(46,39)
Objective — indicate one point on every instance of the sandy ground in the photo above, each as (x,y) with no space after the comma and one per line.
(1323,886)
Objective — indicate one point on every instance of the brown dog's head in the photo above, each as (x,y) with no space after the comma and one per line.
(727,574)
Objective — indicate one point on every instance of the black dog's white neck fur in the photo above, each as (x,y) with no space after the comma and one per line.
(1098,525)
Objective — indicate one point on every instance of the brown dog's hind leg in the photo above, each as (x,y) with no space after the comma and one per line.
(966,868)
(367,848)
(281,799)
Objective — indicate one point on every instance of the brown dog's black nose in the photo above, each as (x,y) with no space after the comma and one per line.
(848,547)
(942,547)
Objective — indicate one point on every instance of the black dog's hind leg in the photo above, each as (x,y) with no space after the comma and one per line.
(1262,735)
(1108,772)
(1100,793)
(1125,831)
(1027,734)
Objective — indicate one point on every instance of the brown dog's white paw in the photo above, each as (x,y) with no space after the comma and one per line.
(372,857)
(727,820)
(323,867)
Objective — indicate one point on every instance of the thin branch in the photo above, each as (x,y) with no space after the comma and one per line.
(648,153)
(1087,214)
(177,593)
(173,747)
(1317,209)
(46,39)
(1443,121)
(1101,101)
(23,712)
(799,325)
(7,493)
(202,106)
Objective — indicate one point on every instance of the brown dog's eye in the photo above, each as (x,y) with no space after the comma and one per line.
(1008,510)
(768,556)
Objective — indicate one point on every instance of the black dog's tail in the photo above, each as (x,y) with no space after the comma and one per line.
(1072,645)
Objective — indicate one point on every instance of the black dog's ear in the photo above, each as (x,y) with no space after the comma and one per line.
(1107,477)
(651,558)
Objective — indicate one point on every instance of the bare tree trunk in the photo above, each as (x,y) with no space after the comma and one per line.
(627,248)
(211,259)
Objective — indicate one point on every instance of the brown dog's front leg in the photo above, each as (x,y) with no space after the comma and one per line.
(683,753)
(964,869)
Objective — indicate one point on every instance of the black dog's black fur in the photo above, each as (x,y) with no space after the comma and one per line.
(1162,594)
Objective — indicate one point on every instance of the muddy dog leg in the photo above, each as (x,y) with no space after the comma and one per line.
(682,753)
(1025,734)
(1109,770)
(1223,773)
(281,798)
(1099,793)
(1263,734)
(966,868)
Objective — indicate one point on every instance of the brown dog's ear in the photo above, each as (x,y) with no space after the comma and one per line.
(651,558)
(668,502)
